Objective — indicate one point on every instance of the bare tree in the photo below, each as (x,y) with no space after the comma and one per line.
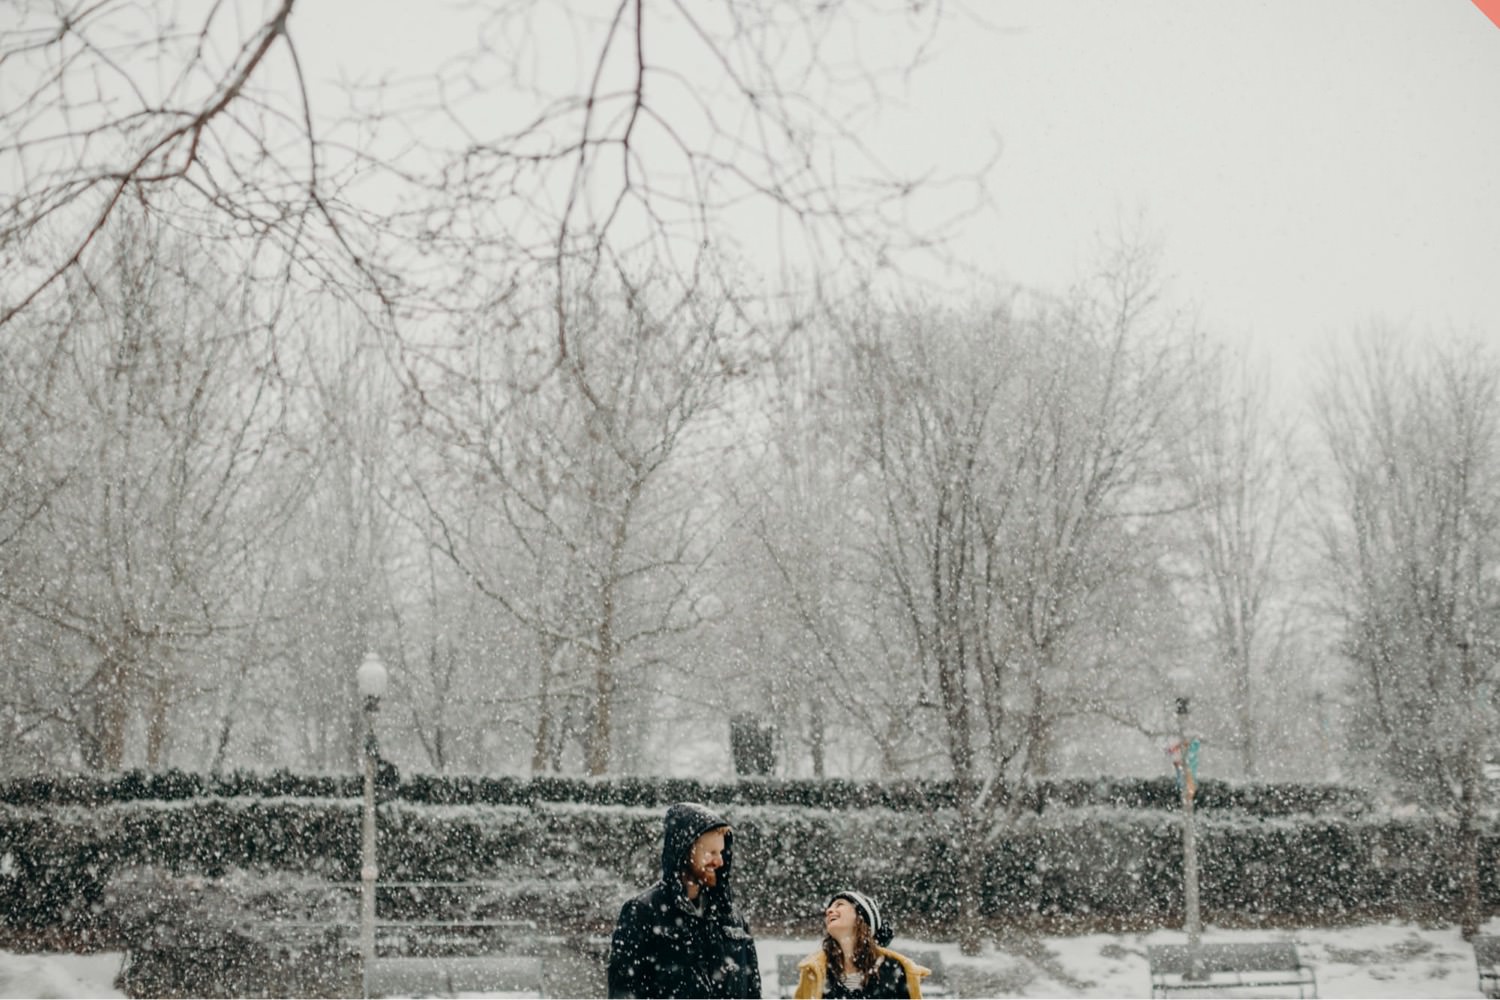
(160,416)
(1020,464)
(93,127)
(1236,464)
(652,129)
(806,610)
(566,501)
(339,567)
(1411,534)
(437,199)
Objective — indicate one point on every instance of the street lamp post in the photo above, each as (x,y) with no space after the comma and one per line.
(1189,832)
(1470,776)
(372,683)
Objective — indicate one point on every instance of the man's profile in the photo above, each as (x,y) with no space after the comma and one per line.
(682,937)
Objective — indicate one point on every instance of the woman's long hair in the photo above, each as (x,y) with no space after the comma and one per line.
(864,955)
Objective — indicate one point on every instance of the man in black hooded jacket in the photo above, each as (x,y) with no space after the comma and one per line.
(682,937)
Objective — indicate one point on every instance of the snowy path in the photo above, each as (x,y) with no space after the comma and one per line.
(1390,960)
(1383,960)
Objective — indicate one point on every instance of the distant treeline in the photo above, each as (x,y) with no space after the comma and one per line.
(1264,800)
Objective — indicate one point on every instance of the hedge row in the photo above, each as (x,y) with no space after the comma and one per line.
(919,796)
(56,864)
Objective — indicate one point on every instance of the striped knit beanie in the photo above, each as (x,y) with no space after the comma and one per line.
(868,911)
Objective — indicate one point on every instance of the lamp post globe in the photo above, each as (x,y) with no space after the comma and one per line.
(372,675)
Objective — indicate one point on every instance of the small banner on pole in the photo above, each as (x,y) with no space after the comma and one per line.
(1184,754)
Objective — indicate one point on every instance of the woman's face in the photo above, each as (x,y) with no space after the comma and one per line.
(838,919)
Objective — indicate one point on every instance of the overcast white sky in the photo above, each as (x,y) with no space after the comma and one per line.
(1309,167)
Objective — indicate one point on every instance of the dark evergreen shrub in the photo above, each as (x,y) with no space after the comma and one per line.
(261,935)
(579,860)
(50,880)
(907,796)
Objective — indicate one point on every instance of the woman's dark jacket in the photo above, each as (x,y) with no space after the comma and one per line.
(664,947)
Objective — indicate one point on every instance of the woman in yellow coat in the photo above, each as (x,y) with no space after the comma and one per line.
(854,960)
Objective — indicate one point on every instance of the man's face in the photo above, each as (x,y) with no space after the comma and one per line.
(706,858)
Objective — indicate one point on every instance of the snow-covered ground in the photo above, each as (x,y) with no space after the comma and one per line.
(45,976)
(1385,960)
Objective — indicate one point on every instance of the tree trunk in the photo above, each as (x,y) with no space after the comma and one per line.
(818,738)
(601,718)
(221,745)
(1468,853)
(1038,730)
(958,713)
(967,879)
(543,738)
(156,722)
(114,712)
(541,744)
(1240,686)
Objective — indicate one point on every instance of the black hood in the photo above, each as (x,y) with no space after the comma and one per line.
(685,823)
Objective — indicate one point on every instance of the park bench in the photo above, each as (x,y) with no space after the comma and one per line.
(935,985)
(450,957)
(438,957)
(452,975)
(1487,959)
(1248,965)
(432,949)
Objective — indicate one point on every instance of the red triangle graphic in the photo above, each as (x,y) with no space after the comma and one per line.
(1490,9)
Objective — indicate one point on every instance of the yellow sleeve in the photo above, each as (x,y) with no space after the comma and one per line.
(809,980)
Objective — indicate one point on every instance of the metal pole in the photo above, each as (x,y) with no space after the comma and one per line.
(1189,842)
(1470,775)
(1190,872)
(368,871)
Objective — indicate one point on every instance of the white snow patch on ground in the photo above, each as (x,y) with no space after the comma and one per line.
(49,976)
(1380,960)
